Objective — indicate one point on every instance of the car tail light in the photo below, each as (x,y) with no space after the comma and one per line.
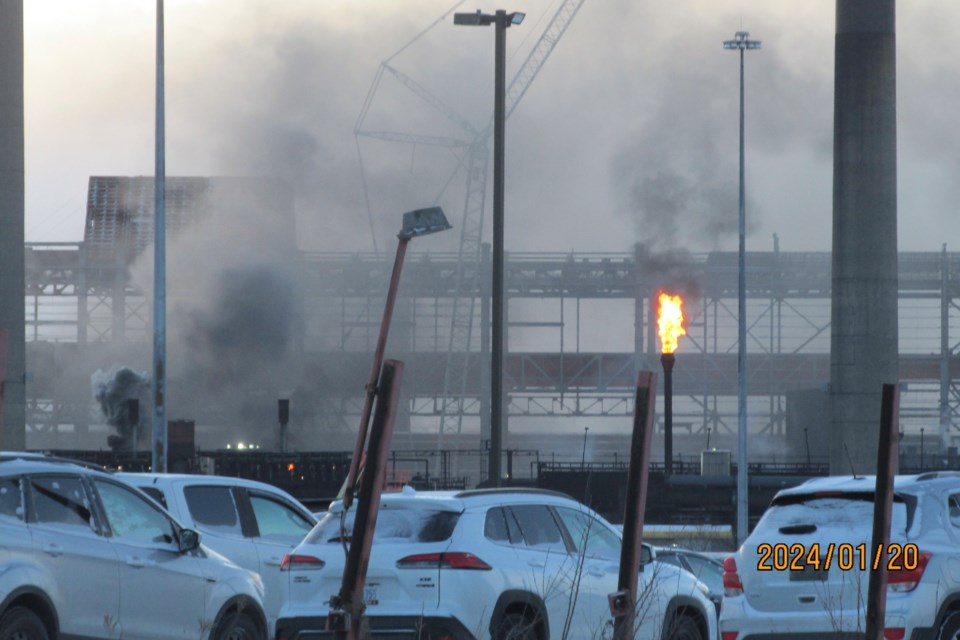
(897,633)
(446,560)
(729,635)
(907,579)
(732,586)
(297,561)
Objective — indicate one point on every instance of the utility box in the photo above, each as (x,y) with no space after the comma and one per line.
(714,462)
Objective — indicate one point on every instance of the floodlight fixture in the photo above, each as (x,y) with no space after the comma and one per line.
(473,19)
(479,19)
(421,222)
(741,42)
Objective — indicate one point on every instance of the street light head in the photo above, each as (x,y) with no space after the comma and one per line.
(741,42)
(473,19)
(517,17)
(421,222)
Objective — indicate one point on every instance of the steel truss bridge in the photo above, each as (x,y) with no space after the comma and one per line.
(579,330)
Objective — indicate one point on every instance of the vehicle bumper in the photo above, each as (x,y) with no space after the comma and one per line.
(752,624)
(393,627)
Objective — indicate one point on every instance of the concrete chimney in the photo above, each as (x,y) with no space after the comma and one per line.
(864,349)
(12,318)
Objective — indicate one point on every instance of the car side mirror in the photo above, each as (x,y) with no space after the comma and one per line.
(647,554)
(189,540)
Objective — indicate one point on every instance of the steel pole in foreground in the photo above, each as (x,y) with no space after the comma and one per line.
(741,43)
(882,511)
(623,602)
(499,318)
(501,21)
(346,621)
(371,387)
(159,448)
(419,222)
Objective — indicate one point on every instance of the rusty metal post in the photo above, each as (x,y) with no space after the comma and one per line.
(667,360)
(883,509)
(346,618)
(371,387)
(623,602)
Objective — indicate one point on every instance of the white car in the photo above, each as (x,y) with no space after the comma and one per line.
(83,555)
(252,523)
(804,571)
(490,563)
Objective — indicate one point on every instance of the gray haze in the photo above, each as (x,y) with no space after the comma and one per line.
(629,133)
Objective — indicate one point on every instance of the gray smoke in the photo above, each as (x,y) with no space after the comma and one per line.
(115,391)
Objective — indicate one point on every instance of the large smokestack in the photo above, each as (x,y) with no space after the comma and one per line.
(864,352)
(13,435)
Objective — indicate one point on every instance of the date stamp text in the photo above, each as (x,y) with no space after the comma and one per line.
(846,557)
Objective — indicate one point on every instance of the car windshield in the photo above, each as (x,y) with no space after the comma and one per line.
(806,513)
(393,525)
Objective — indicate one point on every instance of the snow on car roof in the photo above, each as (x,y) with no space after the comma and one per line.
(847,484)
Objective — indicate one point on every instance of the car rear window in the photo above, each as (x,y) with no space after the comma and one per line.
(800,514)
(393,525)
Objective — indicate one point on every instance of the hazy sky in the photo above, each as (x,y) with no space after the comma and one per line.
(628,134)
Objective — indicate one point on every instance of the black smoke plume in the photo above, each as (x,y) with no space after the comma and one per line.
(122,396)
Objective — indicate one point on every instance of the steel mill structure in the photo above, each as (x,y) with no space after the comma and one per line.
(580,327)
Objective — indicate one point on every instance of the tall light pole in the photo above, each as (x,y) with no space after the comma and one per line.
(159,448)
(501,21)
(741,43)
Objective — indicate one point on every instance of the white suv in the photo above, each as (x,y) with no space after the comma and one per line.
(84,555)
(495,563)
(252,523)
(804,571)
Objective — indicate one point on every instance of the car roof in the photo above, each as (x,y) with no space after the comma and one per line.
(170,478)
(913,484)
(18,463)
(459,500)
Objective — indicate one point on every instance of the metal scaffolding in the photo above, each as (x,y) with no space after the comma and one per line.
(580,327)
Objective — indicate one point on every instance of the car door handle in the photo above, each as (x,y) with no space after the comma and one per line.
(540,564)
(135,562)
(596,571)
(53,549)
(273,561)
(806,599)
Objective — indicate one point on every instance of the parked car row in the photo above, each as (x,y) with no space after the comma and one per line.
(83,554)
(502,564)
(174,556)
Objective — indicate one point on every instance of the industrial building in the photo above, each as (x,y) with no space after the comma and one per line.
(570,392)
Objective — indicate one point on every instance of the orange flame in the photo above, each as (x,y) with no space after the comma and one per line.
(670,321)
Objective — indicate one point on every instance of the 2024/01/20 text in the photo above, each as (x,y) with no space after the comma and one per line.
(847,557)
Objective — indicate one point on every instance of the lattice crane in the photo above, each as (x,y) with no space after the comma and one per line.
(476,161)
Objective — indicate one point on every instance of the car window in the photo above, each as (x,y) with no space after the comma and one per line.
(589,534)
(278,521)
(10,504)
(707,572)
(805,514)
(670,558)
(133,518)
(953,504)
(393,525)
(538,527)
(213,509)
(61,500)
(156,494)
